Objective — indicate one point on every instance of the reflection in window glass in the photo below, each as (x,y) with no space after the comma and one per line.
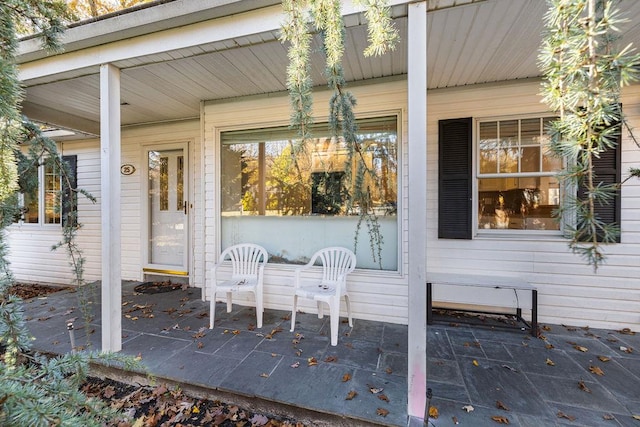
(269,172)
(52,194)
(39,201)
(517,188)
(293,197)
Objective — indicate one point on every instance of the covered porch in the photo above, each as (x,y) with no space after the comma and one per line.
(538,381)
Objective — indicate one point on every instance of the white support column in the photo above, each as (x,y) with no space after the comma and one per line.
(417,111)
(110,207)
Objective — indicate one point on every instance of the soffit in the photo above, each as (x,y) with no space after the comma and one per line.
(476,42)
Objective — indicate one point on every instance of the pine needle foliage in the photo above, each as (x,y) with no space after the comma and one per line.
(303,19)
(584,70)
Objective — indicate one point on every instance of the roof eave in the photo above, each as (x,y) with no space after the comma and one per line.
(128,23)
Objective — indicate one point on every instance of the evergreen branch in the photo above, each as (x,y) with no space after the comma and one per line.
(382,35)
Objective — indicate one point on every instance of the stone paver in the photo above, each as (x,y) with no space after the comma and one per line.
(551,381)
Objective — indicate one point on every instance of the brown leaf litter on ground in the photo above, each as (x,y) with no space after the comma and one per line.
(159,406)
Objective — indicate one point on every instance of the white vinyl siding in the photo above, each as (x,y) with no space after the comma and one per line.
(570,292)
(30,247)
(375,295)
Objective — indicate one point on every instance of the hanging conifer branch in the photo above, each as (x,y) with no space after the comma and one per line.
(583,76)
(326,16)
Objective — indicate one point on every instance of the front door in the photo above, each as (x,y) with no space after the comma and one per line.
(167,210)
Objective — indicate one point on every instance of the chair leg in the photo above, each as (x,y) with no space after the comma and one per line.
(293,313)
(203,292)
(334,314)
(229,302)
(346,300)
(212,310)
(259,308)
(320,310)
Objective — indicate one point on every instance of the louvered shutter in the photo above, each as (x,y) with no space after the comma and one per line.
(607,170)
(454,182)
(69,197)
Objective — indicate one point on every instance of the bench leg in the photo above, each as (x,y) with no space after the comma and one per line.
(429,305)
(534,312)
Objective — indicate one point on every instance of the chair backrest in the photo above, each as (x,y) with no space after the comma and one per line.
(336,261)
(246,258)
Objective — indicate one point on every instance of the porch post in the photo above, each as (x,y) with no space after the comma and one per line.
(417,200)
(110,207)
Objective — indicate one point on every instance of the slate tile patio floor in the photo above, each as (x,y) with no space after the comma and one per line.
(538,380)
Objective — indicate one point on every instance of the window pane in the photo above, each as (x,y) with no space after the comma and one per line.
(51,194)
(530,132)
(488,147)
(287,177)
(509,154)
(271,173)
(530,161)
(518,203)
(30,207)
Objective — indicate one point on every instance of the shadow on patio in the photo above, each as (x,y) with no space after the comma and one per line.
(502,374)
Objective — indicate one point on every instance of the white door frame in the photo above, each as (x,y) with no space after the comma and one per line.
(147,267)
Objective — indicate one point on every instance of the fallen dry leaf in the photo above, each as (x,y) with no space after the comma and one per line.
(608,417)
(626,331)
(330,359)
(346,377)
(549,346)
(581,348)
(433,412)
(500,419)
(604,358)
(636,417)
(383,397)
(455,420)
(561,414)
(264,375)
(596,370)
(468,408)
(312,361)
(382,412)
(389,371)
(583,386)
(501,405)
(475,362)
(351,395)
(295,365)
(550,362)
(375,390)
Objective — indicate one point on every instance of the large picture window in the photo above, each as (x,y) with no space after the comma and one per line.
(516,182)
(293,197)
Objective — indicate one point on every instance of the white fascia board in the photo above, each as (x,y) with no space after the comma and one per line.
(138,21)
(257,21)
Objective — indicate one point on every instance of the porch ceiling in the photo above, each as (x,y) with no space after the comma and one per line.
(469,42)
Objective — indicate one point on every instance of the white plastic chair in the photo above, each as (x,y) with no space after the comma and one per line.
(337,263)
(247,263)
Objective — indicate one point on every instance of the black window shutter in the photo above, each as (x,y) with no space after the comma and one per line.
(454,182)
(69,197)
(607,169)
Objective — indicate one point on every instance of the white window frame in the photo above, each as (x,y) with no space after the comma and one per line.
(363,236)
(493,232)
(41,203)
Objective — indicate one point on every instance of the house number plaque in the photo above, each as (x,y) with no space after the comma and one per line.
(127,169)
